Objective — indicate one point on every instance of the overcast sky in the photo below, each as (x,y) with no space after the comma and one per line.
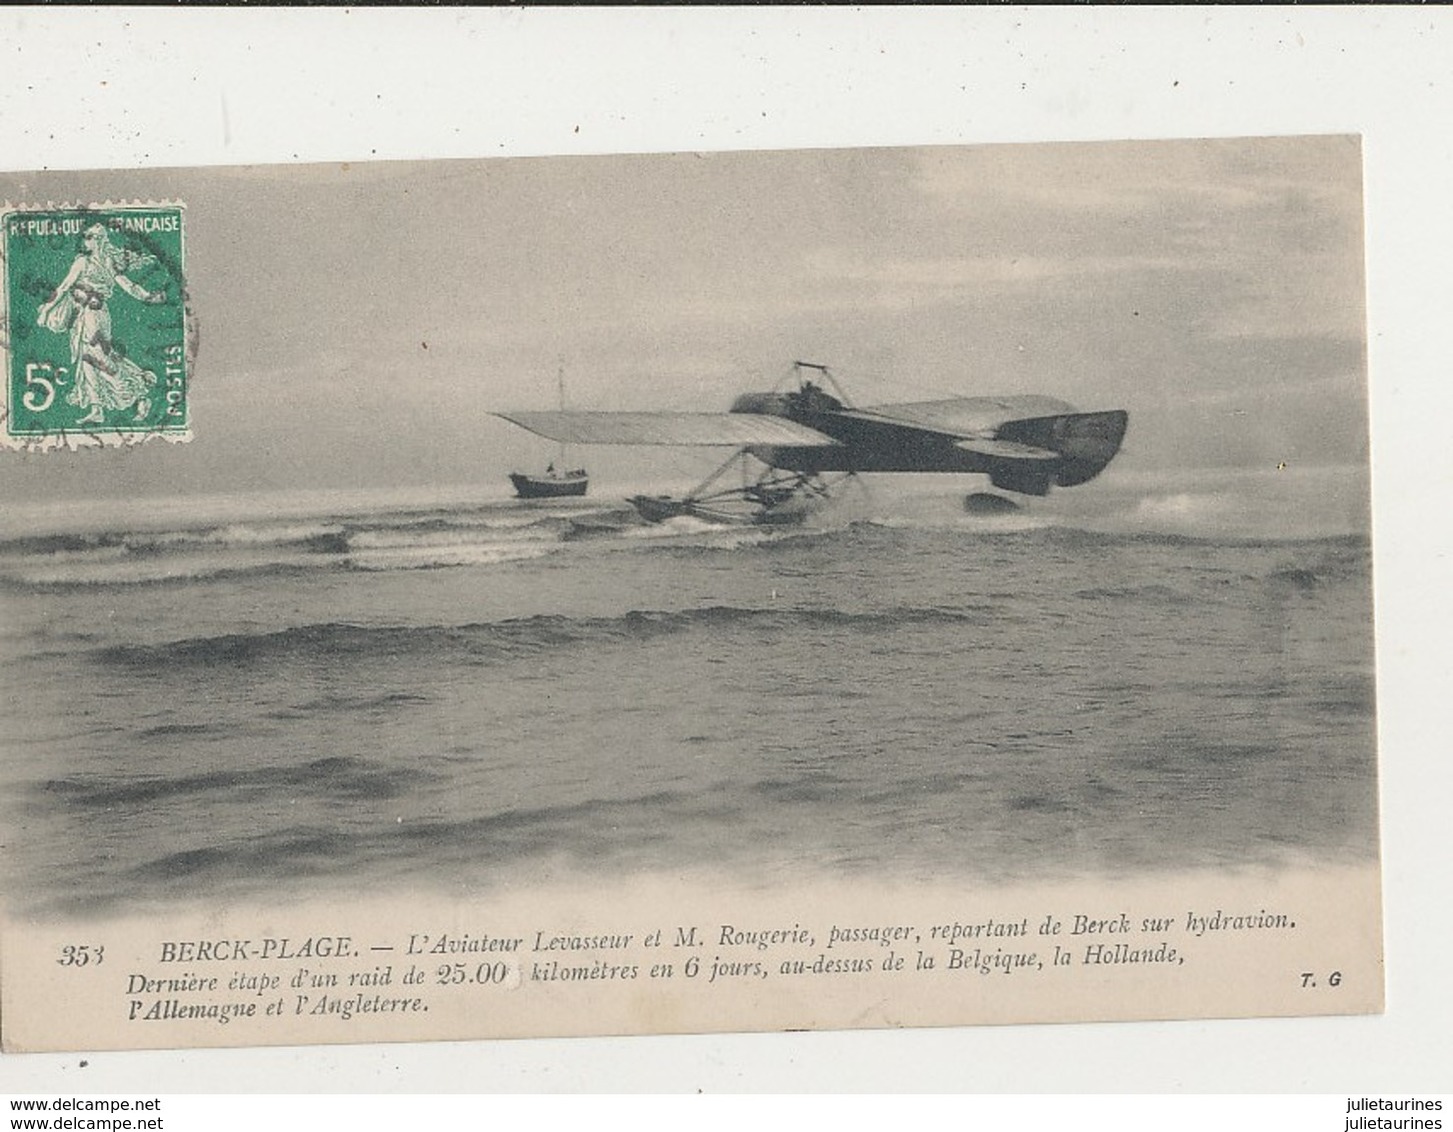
(359,323)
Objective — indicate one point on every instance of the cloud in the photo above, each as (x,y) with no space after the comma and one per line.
(903,279)
(362,322)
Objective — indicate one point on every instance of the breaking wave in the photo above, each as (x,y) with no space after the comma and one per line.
(332,777)
(500,534)
(408,541)
(504,640)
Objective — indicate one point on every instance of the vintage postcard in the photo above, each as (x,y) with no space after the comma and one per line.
(683,593)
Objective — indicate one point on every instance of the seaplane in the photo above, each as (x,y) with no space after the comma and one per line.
(795,447)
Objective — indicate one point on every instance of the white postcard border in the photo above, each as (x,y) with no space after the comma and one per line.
(1031,76)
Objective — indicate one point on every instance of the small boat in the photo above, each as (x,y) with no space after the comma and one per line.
(553,484)
(550,485)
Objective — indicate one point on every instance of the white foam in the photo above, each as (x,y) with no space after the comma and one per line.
(271,533)
(435,557)
(390,538)
(111,571)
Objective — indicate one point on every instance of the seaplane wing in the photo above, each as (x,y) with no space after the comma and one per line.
(723,430)
(968,418)
(1008,450)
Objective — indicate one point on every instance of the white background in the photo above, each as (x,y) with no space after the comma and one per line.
(84,89)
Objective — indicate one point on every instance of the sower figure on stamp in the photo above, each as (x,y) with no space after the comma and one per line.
(104,379)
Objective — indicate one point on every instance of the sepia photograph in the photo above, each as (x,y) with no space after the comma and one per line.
(681,592)
(850,741)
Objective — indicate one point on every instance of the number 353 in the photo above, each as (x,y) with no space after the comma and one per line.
(81,955)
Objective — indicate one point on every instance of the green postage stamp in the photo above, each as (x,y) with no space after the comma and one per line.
(95,331)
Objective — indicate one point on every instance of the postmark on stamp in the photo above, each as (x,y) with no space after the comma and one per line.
(95,332)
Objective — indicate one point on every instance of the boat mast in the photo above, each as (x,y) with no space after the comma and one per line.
(560,382)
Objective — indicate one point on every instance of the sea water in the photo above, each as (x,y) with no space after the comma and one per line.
(268,699)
